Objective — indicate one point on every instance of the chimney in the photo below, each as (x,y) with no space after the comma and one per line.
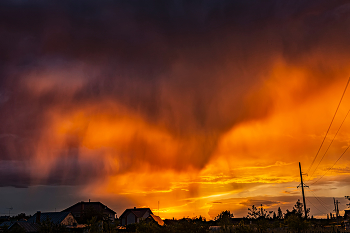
(38,214)
(89,200)
(134,208)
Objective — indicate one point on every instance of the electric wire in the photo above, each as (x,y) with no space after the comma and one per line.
(318,199)
(315,206)
(331,167)
(331,142)
(329,126)
(321,203)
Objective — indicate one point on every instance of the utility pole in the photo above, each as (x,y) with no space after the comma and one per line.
(302,189)
(336,209)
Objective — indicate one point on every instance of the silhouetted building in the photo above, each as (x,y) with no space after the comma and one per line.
(24,226)
(134,215)
(6,225)
(63,218)
(85,210)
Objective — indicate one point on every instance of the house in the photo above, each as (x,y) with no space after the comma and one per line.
(84,210)
(58,218)
(134,215)
(5,225)
(24,226)
(19,226)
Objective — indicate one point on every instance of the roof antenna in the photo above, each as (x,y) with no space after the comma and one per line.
(11,208)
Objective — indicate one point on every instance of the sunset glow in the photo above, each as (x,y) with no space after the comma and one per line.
(209,115)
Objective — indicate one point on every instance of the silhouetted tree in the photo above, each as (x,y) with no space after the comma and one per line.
(299,207)
(274,216)
(109,226)
(186,225)
(253,212)
(260,217)
(131,227)
(296,223)
(294,219)
(242,228)
(90,213)
(21,216)
(148,227)
(224,219)
(94,226)
(264,213)
(14,229)
(224,216)
(279,213)
(47,226)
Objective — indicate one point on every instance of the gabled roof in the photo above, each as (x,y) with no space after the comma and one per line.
(6,223)
(138,212)
(27,226)
(54,217)
(94,205)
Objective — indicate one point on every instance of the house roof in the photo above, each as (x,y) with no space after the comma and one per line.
(157,219)
(94,205)
(27,226)
(54,217)
(138,212)
(6,223)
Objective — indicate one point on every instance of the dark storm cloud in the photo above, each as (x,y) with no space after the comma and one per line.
(194,67)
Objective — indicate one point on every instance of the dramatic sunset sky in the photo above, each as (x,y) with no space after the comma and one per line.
(203,106)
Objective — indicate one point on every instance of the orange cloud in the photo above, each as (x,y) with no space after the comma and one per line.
(199,117)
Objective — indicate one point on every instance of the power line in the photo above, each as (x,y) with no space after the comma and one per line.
(315,206)
(329,125)
(332,166)
(312,192)
(331,142)
(320,201)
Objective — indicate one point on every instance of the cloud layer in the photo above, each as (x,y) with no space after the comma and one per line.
(94,91)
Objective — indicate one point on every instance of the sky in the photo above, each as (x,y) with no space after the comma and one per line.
(193,106)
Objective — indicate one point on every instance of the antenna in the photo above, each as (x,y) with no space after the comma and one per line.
(158,208)
(11,208)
